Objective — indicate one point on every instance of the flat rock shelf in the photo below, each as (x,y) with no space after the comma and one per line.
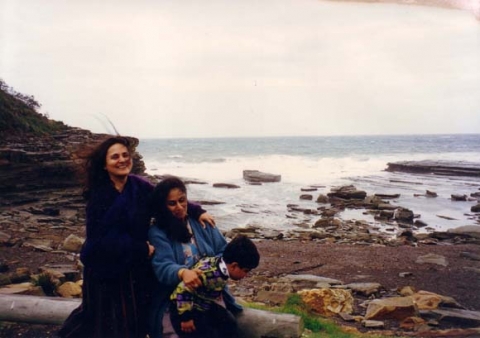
(446,168)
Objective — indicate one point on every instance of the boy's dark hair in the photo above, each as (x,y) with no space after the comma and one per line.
(242,251)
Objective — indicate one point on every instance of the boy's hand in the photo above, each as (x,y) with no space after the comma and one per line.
(190,278)
(188,326)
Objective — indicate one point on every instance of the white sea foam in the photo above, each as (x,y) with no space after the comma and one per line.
(266,205)
(294,169)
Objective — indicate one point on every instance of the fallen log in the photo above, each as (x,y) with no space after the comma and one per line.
(36,310)
(258,324)
(54,310)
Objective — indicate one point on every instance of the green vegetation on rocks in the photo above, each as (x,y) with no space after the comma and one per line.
(315,326)
(19,115)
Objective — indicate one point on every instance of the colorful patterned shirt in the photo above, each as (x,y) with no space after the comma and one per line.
(214,279)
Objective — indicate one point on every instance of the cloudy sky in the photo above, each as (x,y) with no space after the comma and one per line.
(214,68)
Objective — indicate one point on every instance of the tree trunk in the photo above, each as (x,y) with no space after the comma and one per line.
(34,309)
(54,310)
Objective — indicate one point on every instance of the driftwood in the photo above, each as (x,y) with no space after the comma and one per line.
(36,310)
(258,323)
(54,310)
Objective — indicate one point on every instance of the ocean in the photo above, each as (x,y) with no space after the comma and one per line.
(327,162)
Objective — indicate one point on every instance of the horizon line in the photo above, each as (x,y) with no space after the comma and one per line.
(299,136)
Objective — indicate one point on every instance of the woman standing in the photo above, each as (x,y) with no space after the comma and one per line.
(118,277)
(179,242)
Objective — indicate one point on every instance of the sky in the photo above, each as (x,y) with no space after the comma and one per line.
(222,68)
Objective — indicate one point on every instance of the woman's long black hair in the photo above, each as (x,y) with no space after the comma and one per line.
(96,175)
(175,228)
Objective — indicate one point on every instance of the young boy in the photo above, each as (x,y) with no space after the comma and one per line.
(196,312)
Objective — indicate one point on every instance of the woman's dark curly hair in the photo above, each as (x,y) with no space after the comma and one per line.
(175,228)
(96,175)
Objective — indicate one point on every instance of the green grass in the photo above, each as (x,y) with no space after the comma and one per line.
(314,326)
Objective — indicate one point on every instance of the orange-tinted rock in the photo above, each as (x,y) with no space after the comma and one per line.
(397,308)
(328,302)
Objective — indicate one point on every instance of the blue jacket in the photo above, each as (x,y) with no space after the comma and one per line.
(169,259)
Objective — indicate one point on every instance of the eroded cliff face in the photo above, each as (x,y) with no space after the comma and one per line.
(30,162)
(37,153)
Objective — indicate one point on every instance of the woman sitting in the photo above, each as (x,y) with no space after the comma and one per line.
(179,241)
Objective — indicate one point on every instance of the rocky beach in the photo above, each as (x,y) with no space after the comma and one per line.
(42,236)
(400,281)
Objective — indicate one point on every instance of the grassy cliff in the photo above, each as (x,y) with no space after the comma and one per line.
(19,115)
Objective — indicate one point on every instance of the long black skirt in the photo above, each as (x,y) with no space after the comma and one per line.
(111,308)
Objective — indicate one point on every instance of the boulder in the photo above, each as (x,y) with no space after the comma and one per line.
(454,316)
(475,208)
(326,223)
(426,300)
(307,189)
(69,290)
(385,214)
(329,212)
(347,192)
(73,243)
(387,196)
(404,215)
(457,197)
(432,259)
(397,308)
(258,176)
(226,185)
(386,206)
(406,290)
(39,244)
(365,289)
(328,302)
(466,230)
(420,224)
(322,199)
(62,272)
